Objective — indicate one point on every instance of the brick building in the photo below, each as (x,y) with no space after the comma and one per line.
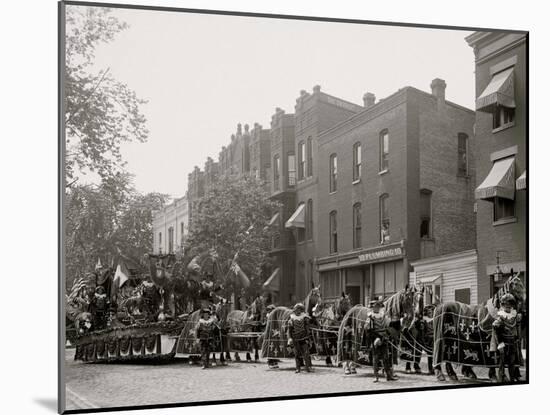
(171,226)
(500,156)
(395,184)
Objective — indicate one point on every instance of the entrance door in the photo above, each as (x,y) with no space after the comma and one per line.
(354,292)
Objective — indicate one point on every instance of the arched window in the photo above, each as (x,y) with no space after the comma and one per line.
(170,240)
(333,168)
(309,220)
(384,150)
(384,219)
(356,161)
(357,226)
(333,232)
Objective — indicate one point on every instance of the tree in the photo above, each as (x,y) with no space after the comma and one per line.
(100,112)
(105,221)
(232,219)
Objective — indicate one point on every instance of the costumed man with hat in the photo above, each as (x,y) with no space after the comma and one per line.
(204,330)
(298,336)
(505,337)
(378,325)
(99,308)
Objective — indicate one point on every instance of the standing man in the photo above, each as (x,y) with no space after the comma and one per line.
(505,337)
(298,336)
(378,325)
(204,329)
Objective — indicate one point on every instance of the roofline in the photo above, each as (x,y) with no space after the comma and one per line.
(441,258)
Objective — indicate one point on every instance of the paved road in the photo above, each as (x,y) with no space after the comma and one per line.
(104,385)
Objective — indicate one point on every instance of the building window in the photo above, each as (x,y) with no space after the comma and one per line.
(276,172)
(384,219)
(301,232)
(503,116)
(384,150)
(356,161)
(182,234)
(333,167)
(425,213)
(160,242)
(333,232)
(170,240)
(462,154)
(291,170)
(309,152)
(309,220)
(503,209)
(301,160)
(310,273)
(357,225)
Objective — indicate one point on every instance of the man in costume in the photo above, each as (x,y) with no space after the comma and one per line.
(271,363)
(505,337)
(299,336)
(99,308)
(378,325)
(204,329)
(427,330)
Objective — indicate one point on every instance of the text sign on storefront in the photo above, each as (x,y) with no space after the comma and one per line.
(385,253)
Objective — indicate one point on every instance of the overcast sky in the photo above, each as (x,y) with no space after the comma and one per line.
(203,74)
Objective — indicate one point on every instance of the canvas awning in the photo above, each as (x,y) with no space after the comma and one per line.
(273,282)
(521,182)
(500,91)
(274,220)
(499,182)
(432,279)
(298,218)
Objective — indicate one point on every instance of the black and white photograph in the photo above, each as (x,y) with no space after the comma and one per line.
(264,207)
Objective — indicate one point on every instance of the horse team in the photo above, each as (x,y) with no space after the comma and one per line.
(399,327)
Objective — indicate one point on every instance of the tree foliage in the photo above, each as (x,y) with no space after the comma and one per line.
(101,112)
(232,219)
(106,221)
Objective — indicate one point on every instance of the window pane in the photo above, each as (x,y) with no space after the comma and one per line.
(291,170)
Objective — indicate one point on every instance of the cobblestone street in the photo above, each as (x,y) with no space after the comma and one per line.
(107,385)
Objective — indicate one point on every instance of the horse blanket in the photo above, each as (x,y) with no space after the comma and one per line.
(458,337)
(352,341)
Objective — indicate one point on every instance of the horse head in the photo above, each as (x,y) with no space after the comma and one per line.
(518,290)
(405,306)
(313,299)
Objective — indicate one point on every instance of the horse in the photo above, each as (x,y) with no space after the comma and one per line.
(411,341)
(353,332)
(275,335)
(328,316)
(446,325)
(251,320)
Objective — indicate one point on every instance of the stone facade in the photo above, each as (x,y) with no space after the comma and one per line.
(171,227)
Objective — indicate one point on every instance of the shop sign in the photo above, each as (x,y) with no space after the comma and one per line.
(384,253)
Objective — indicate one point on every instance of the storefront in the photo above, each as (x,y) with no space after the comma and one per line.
(447,278)
(365,274)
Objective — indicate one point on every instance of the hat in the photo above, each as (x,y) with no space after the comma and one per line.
(298,306)
(428,308)
(270,307)
(508,299)
(376,303)
(206,310)
(100,289)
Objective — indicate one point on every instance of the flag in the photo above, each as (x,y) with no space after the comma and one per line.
(98,265)
(121,276)
(239,273)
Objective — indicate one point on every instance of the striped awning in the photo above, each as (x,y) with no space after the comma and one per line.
(273,282)
(298,218)
(500,91)
(499,182)
(521,182)
(432,279)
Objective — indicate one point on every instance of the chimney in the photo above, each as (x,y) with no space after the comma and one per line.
(246,128)
(316,89)
(369,99)
(239,129)
(438,89)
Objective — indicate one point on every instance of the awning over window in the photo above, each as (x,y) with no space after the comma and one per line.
(500,181)
(521,182)
(499,91)
(274,220)
(298,218)
(273,282)
(432,279)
